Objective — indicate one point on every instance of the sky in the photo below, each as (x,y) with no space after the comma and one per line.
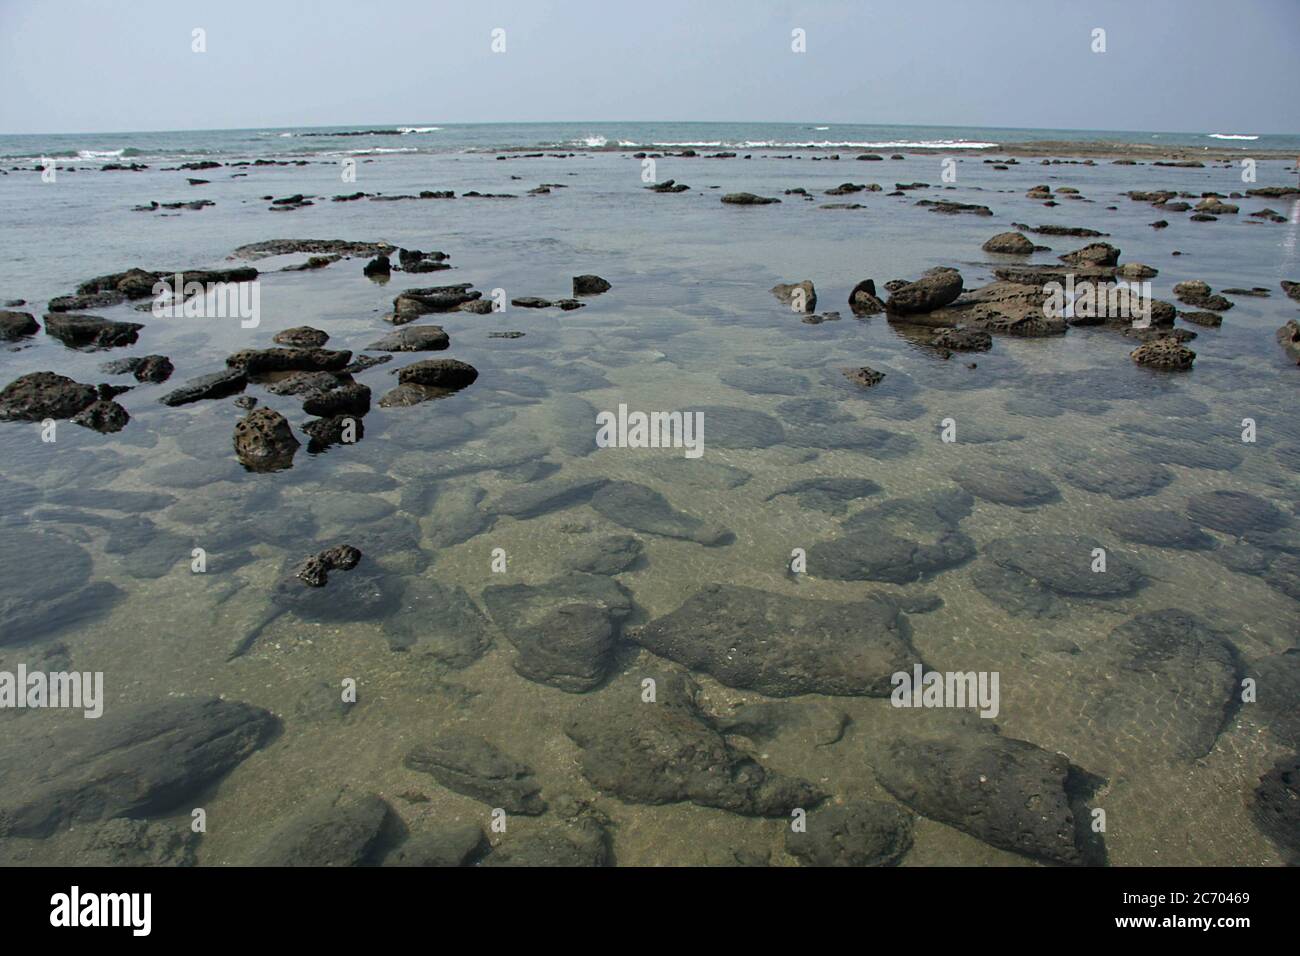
(1168,65)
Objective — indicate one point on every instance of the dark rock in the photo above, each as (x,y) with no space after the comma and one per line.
(531,500)
(1008,793)
(668,751)
(216,385)
(864,376)
(933,291)
(264,441)
(831,495)
(1007,485)
(413,338)
(314,571)
(783,646)
(448,374)
(802,294)
(102,416)
(90,331)
(876,554)
(611,554)
(439,622)
(747,199)
(1165,529)
(862,833)
(589,285)
(473,767)
(639,508)
(454,845)
(135,761)
(255,361)
(350,399)
(46,584)
(1235,512)
(329,830)
(1276,807)
(40,395)
(1009,243)
(302,337)
(962,340)
(15,325)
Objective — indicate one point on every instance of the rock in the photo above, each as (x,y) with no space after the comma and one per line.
(831,495)
(1168,678)
(302,337)
(933,291)
(1289,338)
(611,554)
(862,833)
(412,303)
(1008,793)
(639,508)
(474,767)
(531,302)
(802,295)
(864,376)
(46,584)
(329,830)
(531,500)
(962,340)
(102,416)
(282,247)
(379,266)
(953,208)
(453,845)
(1136,271)
(873,553)
(255,361)
(40,395)
(264,441)
(1117,476)
(1210,320)
(90,331)
(216,385)
(581,842)
(350,399)
(668,751)
(1009,243)
(765,380)
(314,571)
(15,325)
(1164,353)
(747,199)
(1164,529)
(1007,485)
(730,427)
(1292,289)
(413,338)
(135,761)
(150,368)
(1276,807)
(439,622)
(1093,254)
(1027,573)
(863,299)
(448,374)
(564,630)
(1197,293)
(1235,512)
(784,646)
(589,285)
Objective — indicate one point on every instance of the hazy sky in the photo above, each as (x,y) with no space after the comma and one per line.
(115,65)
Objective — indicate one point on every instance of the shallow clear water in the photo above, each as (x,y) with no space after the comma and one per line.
(690,308)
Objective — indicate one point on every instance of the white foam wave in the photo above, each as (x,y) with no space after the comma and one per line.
(1231,136)
(418,129)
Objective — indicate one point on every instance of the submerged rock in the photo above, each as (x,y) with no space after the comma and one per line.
(1165,529)
(831,495)
(668,751)
(1235,512)
(640,508)
(328,830)
(861,833)
(1276,807)
(874,553)
(1008,793)
(611,554)
(802,295)
(45,585)
(476,768)
(783,646)
(1119,476)
(1029,573)
(135,761)
(1007,485)
(439,622)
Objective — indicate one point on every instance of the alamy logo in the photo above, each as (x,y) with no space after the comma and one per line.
(651,430)
(960,689)
(1090,300)
(179,299)
(82,691)
(103,909)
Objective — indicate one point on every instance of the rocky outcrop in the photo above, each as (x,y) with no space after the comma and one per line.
(264,441)
(40,395)
(934,290)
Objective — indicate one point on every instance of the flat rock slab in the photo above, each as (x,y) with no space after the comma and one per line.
(440,622)
(1169,679)
(1235,512)
(876,554)
(831,495)
(782,646)
(640,508)
(1028,573)
(131,762)
(46,585)
(476,768)
(1007,484)
(669,751)
(1009,793)
(539,498)
(413,338)
(729,427)
(1118,477)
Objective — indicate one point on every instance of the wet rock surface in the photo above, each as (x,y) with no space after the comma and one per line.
(134,761)
(783,646)
(329,830)
(862,833)
(668,751)
(1029,574)
(477,768)
(1007,792)
(639,508)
